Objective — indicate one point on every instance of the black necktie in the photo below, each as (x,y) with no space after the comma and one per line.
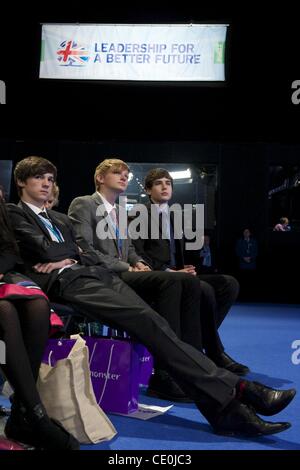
(168,226)
(45,215)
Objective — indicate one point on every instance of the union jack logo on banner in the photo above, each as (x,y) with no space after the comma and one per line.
(72,54)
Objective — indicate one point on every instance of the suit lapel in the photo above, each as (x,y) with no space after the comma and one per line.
(153,220)
(98,202)
(124,241)
(179,244)
(35,218)
(54,217)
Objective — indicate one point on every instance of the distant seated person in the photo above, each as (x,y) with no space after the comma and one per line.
(246,250)
(53,199)
(283,225)
(2,193)
(207,257)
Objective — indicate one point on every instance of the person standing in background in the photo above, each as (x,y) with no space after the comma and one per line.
(246,250)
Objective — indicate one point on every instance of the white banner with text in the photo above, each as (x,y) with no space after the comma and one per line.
(133,52)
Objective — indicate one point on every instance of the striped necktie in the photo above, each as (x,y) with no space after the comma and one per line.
(51,226)
(114,218)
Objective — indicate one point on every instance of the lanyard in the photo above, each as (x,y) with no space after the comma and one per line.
(53,229)
(119,240)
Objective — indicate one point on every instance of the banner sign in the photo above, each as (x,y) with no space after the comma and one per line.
(133,52)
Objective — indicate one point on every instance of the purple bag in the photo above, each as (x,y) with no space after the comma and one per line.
(146,364)
(57,349)
(114,366)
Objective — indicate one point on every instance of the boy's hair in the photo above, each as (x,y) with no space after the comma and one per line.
(284,220)
(55,191)
(7,238)
(32,166)
(156,174)
(106,165)
(55,195)
(2,190)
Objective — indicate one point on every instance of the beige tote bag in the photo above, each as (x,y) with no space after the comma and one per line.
(68,396)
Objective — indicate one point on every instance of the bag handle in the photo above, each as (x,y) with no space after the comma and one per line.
(59,343)
(107,370)
(49,358)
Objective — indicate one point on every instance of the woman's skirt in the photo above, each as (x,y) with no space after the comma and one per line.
(15,286)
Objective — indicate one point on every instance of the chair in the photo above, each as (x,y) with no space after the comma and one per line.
(69,316)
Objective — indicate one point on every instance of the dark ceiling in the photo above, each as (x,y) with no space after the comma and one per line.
(255,104)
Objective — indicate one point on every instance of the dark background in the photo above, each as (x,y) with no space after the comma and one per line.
(245,126)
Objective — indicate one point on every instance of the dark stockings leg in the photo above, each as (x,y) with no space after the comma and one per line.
(24,329)
(34,321)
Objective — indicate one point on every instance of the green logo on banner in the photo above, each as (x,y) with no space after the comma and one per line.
(2,101)
(219,53)
(43,50)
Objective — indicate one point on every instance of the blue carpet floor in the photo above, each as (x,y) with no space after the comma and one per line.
(259,335)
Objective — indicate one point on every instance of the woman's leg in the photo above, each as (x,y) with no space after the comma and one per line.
(34,319)
(31,425)
(17,367)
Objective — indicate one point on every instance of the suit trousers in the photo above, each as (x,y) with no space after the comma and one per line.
(175,296)
(226,290)
(104,297)
(208,318)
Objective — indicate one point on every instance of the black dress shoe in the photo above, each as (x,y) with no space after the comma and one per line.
(238,419)
(226,362)
(265,400)
(17,427)
(36,429)
(161,385)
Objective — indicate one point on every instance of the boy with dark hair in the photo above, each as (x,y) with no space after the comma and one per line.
(219,290)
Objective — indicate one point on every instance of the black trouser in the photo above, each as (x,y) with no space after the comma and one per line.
(208,319)
(226,289)
(219,292)
(106,298)
(190,307)
(175,296)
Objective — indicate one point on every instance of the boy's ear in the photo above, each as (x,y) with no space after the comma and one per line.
(20,183)
(99,178)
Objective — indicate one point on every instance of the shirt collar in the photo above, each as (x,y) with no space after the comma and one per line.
(108,206)
(162,208)
(35,209)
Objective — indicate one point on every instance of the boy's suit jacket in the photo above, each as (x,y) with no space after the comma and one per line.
(157,252)
(82,213)
(36,245)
